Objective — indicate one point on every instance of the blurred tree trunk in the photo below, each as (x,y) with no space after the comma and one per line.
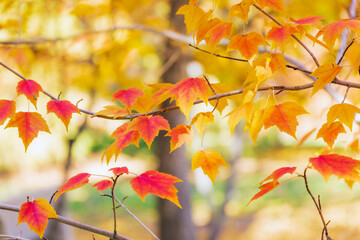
(175,223)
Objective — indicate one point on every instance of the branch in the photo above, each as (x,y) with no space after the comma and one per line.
(72,223)
(8,237)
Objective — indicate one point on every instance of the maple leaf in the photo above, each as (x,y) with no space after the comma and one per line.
(112,110)
(325,74)
(36,214)
(338,165)
(148,127)
(72,183)
(201,120)
(103,185)
(193,16)
(257,123)
(127,97)
(179,135)
(333,30)
(281,35)
(157,183)
(7,110)
(275,61)
(283,116)
(243,111)
(344,112)
(330,131)
(30,89)
(187,91)
(274,4)
(119,170)
(241,10)
(144,104)
(204,28)
(278,173)
(208,160)
(63,109)
(29,124)
(246,44)
(218,32)
(265,188)
(308,20)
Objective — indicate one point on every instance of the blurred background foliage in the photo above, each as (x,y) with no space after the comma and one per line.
(87,49)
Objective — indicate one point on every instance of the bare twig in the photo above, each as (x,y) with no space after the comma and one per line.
(72,223)
(113,201)
(343,54)
(212,89)
(8,237)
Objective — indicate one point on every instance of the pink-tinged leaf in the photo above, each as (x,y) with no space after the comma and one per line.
(119,170)
(7,110)
(63,109)
(338,165)
(76,181)
(103,185)
(278,173)
(179,135)
(215,34)
(159,184)
(30,89)
(127,97)
(308,20)
(333,30)
(265,188)
(281,35)
(36,214)
(29,124)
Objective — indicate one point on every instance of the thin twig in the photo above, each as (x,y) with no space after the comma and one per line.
(113,201)
(316,204)
(212,89)
(8,237)
(72,223)
(343,54)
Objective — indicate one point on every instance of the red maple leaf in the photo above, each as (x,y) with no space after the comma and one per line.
(72,183)
(103,185)
(63,109)
(119,170)
(127,97)
(7,110)
(30,89)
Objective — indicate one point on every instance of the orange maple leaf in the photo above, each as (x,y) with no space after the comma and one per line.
(308,20)
(333,30)
(127,97)
(119,170)
(36,214)
(344,112)
(265,188)
(241,10)
(30,89)
(246,44)
(283,116)
(330,131)
(157,183)
(179,135)
(338,165)
(281,35)
(187,91)
(276,62)
(208,160)
(278,173)
(63,109)
(72,183)
(325,74)
(148,127)
(103,185)
(257,123)
(193,16)
(29,124)
(7,110)
(274,4)
(112,110)
(218,32)
(243,111)
(201,120)
(204,28)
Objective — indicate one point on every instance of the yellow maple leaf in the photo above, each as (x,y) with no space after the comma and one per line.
(330,131)
(257,123)
(241,10)
(344,112)
(201,120)
(243,111)
(325,74)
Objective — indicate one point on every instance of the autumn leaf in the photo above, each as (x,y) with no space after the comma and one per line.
(119,170)
(127,97)
(278,173)
(325,74)
(333,30)
(72,183)
(7,110)
(246,44)
(148,127)
(354,145)
(241,10)
(63,109)
(308,20)
(145,104)
(103,185)
(187,91)
(218,32)
(284,116)
(243,111)
(338,165)
(265,188)
(30,89)
(275,61)
(257,123)
(29,124)
(344,112)
(179,135)
(157,183)
(36,215)
(204,28)
(193,16)
(274,4)
(201,120)
(281,35)
(330,131)
(209,161)
(112,110)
